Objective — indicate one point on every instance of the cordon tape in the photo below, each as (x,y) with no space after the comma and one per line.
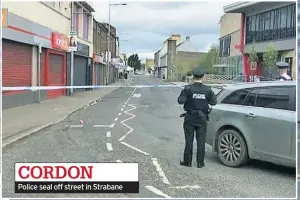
(34,88)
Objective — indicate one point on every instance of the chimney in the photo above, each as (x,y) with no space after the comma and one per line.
(187,38)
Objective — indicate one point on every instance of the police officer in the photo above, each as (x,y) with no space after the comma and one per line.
(282,67)
(196,98)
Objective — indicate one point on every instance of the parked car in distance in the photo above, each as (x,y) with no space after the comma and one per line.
(254,121)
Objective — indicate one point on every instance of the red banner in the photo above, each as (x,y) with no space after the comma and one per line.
(60,41)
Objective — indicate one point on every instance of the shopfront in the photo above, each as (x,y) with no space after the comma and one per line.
(32,55)
(83,69)
(99,66)
(55,65)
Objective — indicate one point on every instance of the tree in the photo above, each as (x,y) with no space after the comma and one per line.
(269,59)
(253,58)
(211,58)
(134,61)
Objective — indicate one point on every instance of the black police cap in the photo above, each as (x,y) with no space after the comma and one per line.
(282,65)
(199,71)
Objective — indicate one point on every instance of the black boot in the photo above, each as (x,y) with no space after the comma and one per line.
(185,164)
(200,165)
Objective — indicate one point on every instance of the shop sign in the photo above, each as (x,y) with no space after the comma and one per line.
(82,49)
(60,41)
(98,59)
(4,15)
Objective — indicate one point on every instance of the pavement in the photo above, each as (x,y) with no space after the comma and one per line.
(22,121)
(156,142)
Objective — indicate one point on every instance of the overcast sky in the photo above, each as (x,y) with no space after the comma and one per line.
(143,26)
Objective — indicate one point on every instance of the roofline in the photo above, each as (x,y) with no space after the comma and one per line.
(241,4)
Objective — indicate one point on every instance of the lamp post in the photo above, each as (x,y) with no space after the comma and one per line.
(108,43)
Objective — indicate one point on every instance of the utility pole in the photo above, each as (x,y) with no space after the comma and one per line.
(108,47)
(72,52)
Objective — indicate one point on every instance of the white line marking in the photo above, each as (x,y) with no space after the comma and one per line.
(123,122)
(101,126)
(146,106)
(123,106)
(116,119)
(157,191)
(186,187)
(136,149)
(178,105)
(122,109)
(137,95)
(160,171)
(112,125)
(75,126)
(109,146)
(108,134)
(119,161)
(119,114)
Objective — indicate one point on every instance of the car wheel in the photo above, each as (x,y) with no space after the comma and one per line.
(232,148)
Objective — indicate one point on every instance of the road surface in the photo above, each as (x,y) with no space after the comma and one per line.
(156,142)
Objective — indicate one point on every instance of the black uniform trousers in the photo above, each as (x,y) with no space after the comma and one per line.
(189,132)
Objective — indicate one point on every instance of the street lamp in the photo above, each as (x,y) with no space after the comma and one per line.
(108,43)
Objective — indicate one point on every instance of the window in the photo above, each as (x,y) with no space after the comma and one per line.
(76,18)
(270,97)
(50,3)
(85,27)
(225,46)
(272,25)
(236,97)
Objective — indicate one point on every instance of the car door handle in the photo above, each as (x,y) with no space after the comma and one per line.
(250,115)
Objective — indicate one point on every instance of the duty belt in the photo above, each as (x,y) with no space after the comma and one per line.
(198,113)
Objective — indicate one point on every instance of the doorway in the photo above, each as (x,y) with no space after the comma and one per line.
(290,61)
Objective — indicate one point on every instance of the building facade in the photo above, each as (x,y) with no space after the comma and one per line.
(101,55)
(267,23)
(34,48)
(83,65)
(175,58)
(230,56)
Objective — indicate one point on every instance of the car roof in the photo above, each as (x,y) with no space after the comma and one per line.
(237,86)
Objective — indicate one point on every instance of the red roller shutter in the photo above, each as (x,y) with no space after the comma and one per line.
(56,75)
(16,65)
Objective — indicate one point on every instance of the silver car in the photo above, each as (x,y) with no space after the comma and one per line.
(254,121)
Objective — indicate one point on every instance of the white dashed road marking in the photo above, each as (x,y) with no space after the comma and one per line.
(103,126)
(119,114)
(160,171)
(186,187)
(109,146)
(75,126)
(116,119)
(108,134)
(122,109)
(136,149)
(146,106)
(137,95)
(157,191)
(119,161)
